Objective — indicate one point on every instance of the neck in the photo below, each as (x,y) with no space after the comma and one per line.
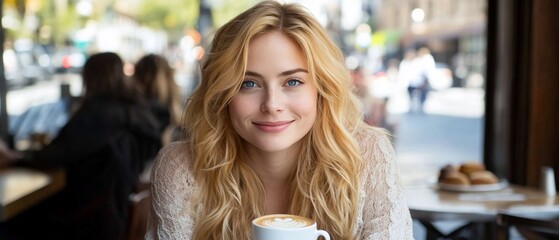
(274,170)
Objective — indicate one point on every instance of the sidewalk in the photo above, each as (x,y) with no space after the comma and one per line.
(425,142)
(450,131)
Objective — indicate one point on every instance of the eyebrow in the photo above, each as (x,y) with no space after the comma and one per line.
(283,74)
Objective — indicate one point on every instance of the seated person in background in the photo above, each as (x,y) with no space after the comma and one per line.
(101,149)
(156,81)
(7,156)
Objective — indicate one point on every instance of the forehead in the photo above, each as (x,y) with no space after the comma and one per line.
(275,50)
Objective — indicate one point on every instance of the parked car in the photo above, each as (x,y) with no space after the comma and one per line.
(29,61)
(68,60)
(14,78)
(441,78)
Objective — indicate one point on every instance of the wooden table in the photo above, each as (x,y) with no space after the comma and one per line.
(429,204)
(22,188)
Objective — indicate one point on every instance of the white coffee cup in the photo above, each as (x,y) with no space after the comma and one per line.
(286,227)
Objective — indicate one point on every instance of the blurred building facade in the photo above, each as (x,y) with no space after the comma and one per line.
(454,31)
(119,32)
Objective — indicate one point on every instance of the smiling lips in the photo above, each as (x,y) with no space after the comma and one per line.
(272,127)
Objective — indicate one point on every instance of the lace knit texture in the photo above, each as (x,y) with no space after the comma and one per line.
(383,213)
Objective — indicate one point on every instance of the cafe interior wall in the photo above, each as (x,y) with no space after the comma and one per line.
(522,102)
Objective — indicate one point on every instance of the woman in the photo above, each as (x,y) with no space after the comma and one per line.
(155,78)
(274,128)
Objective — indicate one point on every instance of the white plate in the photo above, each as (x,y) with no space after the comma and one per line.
(474,188)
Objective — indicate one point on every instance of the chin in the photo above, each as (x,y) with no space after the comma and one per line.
(274,146)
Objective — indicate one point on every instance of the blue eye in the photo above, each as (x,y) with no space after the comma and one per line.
(248,84)
(293,83)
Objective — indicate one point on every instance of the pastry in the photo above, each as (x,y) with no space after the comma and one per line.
(483,177)
(446,170)
(457,178)
(470,167)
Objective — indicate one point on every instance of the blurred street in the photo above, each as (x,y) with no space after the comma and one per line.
(425,143)
(47,91)
(37,108)
(450,131)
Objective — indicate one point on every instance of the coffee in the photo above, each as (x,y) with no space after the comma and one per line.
(286,226)
(283,221)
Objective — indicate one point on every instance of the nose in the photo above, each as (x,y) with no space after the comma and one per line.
(273,102)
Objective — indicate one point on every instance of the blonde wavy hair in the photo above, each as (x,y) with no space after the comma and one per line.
(325,183)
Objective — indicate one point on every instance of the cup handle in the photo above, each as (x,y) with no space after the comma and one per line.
(323,234)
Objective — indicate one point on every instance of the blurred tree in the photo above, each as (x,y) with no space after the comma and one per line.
(59,18)
(225,10)
(178,15)
(53,22)
(174,16)
(18,5)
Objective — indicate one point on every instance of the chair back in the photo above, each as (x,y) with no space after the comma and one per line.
(140,202)
(530,225)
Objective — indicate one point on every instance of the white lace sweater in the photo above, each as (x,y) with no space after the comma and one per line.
(383,213)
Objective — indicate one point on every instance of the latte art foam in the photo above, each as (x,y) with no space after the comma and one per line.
(284,221)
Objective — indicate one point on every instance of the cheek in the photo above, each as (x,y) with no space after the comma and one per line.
(235,109)
(308,106)
(239,108)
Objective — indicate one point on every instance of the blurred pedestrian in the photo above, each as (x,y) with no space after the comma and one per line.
(408,70)
(155,78)
(419,86)
(101,150)
(374,108)
(411,72)
(361,88)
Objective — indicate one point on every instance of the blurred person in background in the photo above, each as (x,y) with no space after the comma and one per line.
(359,82)
(375,91)
(423,66)
(156,81)
(7,155)
(409,72)
(374,108)
(101,150)
(273,127)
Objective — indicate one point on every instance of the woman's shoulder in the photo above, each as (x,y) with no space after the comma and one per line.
(172,187)
(369,137)
(375,147)
(173,161)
